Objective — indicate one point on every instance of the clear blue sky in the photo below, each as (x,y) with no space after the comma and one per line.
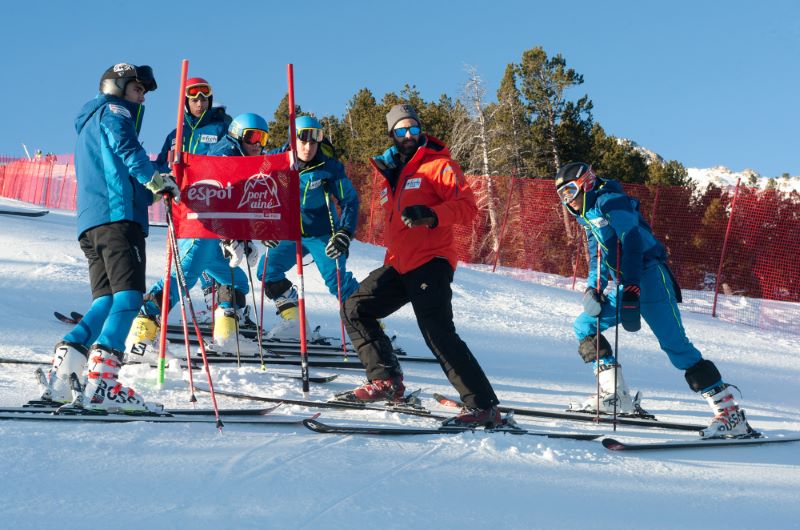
(704,82)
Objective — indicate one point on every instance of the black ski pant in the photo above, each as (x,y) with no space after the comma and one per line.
(427,287)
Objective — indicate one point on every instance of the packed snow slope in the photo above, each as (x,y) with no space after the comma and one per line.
(142,475)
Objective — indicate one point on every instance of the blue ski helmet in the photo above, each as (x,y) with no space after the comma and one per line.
(245,121)
(307,122)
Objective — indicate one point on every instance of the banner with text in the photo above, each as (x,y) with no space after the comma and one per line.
(249,197)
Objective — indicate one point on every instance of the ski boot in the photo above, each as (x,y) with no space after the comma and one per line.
(225,326)
(140,344)
(390,390)
(288,327)
(626,404)
(68,358)
(476,417)
(102,392)
(729,420)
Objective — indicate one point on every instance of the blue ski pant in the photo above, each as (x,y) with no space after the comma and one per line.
(198,256)
(659,309)
(283,257)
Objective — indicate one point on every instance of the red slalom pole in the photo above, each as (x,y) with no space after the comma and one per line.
(301,302)
(177,169)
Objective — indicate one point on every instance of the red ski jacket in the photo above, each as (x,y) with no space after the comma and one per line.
(433,179)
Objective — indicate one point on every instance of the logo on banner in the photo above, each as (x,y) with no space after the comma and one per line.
(260,192)
(384,196)
(209,190)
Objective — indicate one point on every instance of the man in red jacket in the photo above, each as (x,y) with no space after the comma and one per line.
(424,194)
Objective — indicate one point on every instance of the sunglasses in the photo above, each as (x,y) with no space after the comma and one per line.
(310,135)
(255,136)
(195,91)
(414,130)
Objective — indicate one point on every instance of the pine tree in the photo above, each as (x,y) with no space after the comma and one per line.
(670,173)
(279,125)
(510,141)
(543,84)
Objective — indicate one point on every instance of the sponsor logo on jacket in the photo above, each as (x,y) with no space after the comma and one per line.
(119,109)
(413,184)
(599,222)
(209,138)
(384,196)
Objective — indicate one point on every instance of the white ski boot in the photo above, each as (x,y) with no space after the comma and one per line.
(729,420)
(288,327)
(625,403)
(103,392)
(68,358)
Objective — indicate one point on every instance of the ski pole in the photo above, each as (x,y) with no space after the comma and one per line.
(192,397)
(338,277)
(263,288)
(182,279)
(258,329)
(616,336)
(597,337)
(236,321)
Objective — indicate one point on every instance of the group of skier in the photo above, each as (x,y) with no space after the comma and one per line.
(423,195)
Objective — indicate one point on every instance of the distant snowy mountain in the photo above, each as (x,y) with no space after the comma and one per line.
(720,176)
(723,177)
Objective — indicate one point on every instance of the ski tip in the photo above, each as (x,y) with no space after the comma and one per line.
(612,444)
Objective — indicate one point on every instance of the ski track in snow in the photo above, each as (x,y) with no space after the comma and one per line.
(167,476)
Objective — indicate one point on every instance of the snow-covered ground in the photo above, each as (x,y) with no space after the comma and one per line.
(169,476)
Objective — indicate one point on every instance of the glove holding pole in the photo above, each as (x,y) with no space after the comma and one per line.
(164,184)
(593,301)
(237,251)
(630,309)
(339,244)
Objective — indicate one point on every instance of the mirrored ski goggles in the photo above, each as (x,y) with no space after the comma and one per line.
(255,136)
(310,135)
(568,191)
(195,91)
(414,130)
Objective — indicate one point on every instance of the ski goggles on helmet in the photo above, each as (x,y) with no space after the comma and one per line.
(195,91)
(415,130)
(568,191)
(310,135)
(255,136)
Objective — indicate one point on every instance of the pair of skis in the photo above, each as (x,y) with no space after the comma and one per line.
(53,412)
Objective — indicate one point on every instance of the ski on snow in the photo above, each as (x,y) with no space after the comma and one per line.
(25,213)
(326,428)
(411,409)
(617,445)
(585,417)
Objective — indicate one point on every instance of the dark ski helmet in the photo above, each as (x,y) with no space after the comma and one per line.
(574,178)
(117,77)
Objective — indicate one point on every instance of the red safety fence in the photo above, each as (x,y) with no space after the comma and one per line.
(521,225)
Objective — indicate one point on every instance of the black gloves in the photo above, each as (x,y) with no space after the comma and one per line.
(629,310)
(593,302)
(338,244)
(419,215)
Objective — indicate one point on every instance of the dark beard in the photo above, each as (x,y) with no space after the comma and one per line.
(406,147)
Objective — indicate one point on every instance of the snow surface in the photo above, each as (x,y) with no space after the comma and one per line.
(168,476)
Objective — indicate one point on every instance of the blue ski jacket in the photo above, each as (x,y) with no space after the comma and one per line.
(320,178)
(609,215)
(199,134)
(111,166)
